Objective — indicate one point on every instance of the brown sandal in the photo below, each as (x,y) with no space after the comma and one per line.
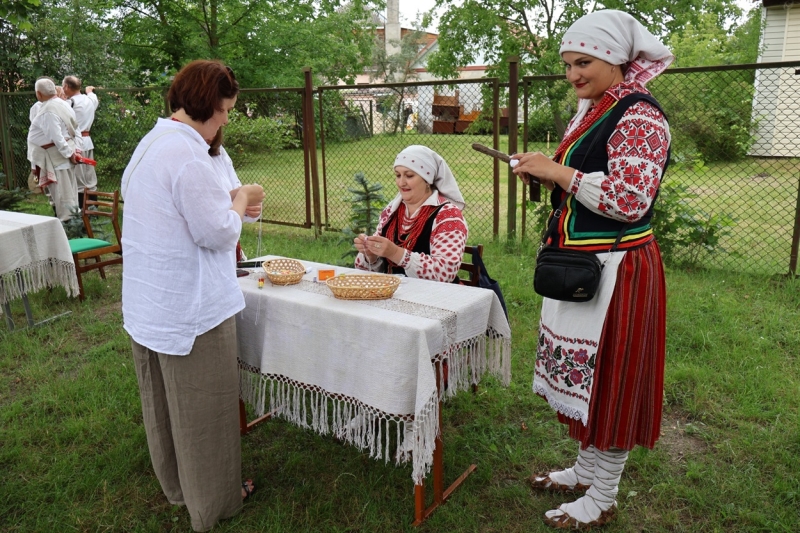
(565,521)
(548,484)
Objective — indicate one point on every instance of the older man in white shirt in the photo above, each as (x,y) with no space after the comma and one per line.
(84,106)
(54,141)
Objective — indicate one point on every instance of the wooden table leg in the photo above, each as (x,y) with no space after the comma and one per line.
(244,425)
(440,494)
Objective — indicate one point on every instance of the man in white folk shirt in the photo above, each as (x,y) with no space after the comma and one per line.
(54,141)
(32,115)
(84,106)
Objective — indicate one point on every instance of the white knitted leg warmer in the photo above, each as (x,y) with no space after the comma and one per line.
(601,496)
(582,472)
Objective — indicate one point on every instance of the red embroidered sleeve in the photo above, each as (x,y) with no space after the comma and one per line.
(637,153)
(448,240)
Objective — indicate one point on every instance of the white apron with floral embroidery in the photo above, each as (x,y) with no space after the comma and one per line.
(569,334)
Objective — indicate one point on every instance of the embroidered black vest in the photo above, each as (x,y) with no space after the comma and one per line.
(422,246)
(581,228)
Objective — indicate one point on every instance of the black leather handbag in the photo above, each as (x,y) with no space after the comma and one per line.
(567,275)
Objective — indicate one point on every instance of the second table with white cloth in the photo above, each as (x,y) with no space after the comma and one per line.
(34,254)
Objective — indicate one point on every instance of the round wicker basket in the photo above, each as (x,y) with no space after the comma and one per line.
(363,286)
(284,271)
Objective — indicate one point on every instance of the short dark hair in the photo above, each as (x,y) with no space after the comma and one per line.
(73,82)
(200,87)
(216,142)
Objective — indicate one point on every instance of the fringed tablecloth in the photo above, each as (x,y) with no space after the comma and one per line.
(34,254)
(362,370)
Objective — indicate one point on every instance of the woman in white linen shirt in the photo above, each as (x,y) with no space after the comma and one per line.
(180,295)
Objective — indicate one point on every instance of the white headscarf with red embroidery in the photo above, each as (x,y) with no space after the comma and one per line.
(433,169)
(618,39)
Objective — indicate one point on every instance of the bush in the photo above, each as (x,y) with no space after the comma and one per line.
(260,134)
(710,117)
(683,230)
(121,120)
(11,198)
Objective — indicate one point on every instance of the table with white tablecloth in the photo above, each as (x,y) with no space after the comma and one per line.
(34,254)
(365,370)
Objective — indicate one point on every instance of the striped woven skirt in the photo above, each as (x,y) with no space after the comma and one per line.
(626,403)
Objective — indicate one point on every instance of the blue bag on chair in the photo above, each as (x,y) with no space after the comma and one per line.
(485,281)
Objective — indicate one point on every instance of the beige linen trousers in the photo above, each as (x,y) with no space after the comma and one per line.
(190,406)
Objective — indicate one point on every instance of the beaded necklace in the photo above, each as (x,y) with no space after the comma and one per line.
(400,221)
(605,103)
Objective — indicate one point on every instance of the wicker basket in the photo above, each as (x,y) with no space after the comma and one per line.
(363,286)
(284,271)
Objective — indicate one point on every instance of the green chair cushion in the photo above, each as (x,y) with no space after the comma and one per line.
(84,245)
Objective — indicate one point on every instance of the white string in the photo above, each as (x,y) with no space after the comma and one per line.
(260,229)
(258,251)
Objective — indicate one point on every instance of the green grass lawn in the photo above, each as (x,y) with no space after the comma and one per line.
(74,455)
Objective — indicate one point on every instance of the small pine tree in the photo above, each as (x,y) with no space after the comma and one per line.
(75,229)
(74,226)
(11,198)
(367,203)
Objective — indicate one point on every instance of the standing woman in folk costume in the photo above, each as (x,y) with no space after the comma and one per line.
(421,233)
(600,364)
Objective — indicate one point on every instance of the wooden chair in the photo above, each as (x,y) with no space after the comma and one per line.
(97,204)
(471,269)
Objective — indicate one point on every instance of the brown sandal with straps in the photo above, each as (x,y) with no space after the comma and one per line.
(565,521)
(545,483)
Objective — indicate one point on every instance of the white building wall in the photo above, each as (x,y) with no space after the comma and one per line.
(776,104)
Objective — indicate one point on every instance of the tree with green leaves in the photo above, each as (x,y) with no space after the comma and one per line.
(16,12)
(704,43)
(144,42)
(264,41)
(531,29)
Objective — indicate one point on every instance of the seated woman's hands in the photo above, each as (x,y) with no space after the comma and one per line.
(375,246)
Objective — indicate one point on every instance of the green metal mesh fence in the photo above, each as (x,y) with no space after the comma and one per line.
(265,141)
(729,199)
(388,118)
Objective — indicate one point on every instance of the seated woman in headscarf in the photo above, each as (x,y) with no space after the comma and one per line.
(421,233)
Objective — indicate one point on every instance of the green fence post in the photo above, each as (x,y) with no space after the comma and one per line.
(513,108)
(5,140)
(308,123)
